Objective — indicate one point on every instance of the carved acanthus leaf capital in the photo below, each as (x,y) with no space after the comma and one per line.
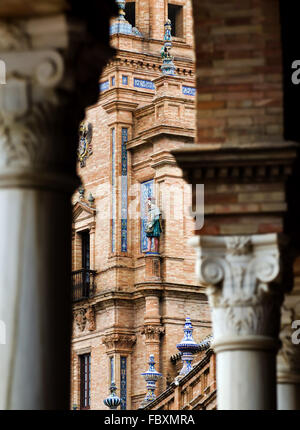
(241,274)
(115,341)
(50,80)
(153,332)
(289,354)
(31,107)
(85,318)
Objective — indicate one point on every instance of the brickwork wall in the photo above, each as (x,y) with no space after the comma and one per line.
(239,72)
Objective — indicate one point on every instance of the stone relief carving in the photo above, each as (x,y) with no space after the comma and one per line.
(80,319)
(240,272)
(152,332)
(116,340)
(30,108)
(91,318)
(85,318)
(26,141)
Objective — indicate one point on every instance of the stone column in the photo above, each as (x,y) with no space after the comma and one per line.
(245,300)
(153,330)
(152,343)
(288,360)
(50,81)
(118,345)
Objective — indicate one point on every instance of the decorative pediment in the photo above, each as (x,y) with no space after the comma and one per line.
(82,211)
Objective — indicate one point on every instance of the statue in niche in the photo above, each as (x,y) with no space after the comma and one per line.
(153,227)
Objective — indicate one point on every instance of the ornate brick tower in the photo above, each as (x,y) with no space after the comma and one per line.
(133,272)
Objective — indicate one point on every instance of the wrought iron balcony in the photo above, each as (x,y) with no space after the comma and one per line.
(83,282)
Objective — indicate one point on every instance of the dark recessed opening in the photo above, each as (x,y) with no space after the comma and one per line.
(175,14)
(130,13)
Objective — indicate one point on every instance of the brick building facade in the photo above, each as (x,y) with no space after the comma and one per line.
(138,301)
(127,304)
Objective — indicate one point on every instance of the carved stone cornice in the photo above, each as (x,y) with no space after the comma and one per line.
(138,62)
(152,333)
(259,162)
(241,273)
(288,359)
(119,342)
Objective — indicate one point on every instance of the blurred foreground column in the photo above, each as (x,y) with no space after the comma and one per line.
(40,110)
(288,360)
(245,299)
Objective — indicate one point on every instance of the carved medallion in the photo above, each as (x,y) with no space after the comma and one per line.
(80,319)
(85,142)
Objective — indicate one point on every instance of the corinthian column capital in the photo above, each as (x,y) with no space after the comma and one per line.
(40,106)
(288,360)
(241,274)
(54,52)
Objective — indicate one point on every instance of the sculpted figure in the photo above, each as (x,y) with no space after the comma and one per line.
(154,228)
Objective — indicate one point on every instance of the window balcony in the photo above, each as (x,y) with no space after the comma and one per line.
(83,282)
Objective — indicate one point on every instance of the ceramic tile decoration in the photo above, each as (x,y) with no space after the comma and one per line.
(143,83)
(124,192)
(112,401)
(168,67)
(147,190)
(112,369)
(187,347)
(114,191)
(104,86)
(151,376)
(123,379)
(188,91)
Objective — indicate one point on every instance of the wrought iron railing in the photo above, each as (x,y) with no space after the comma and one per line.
(83,282)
